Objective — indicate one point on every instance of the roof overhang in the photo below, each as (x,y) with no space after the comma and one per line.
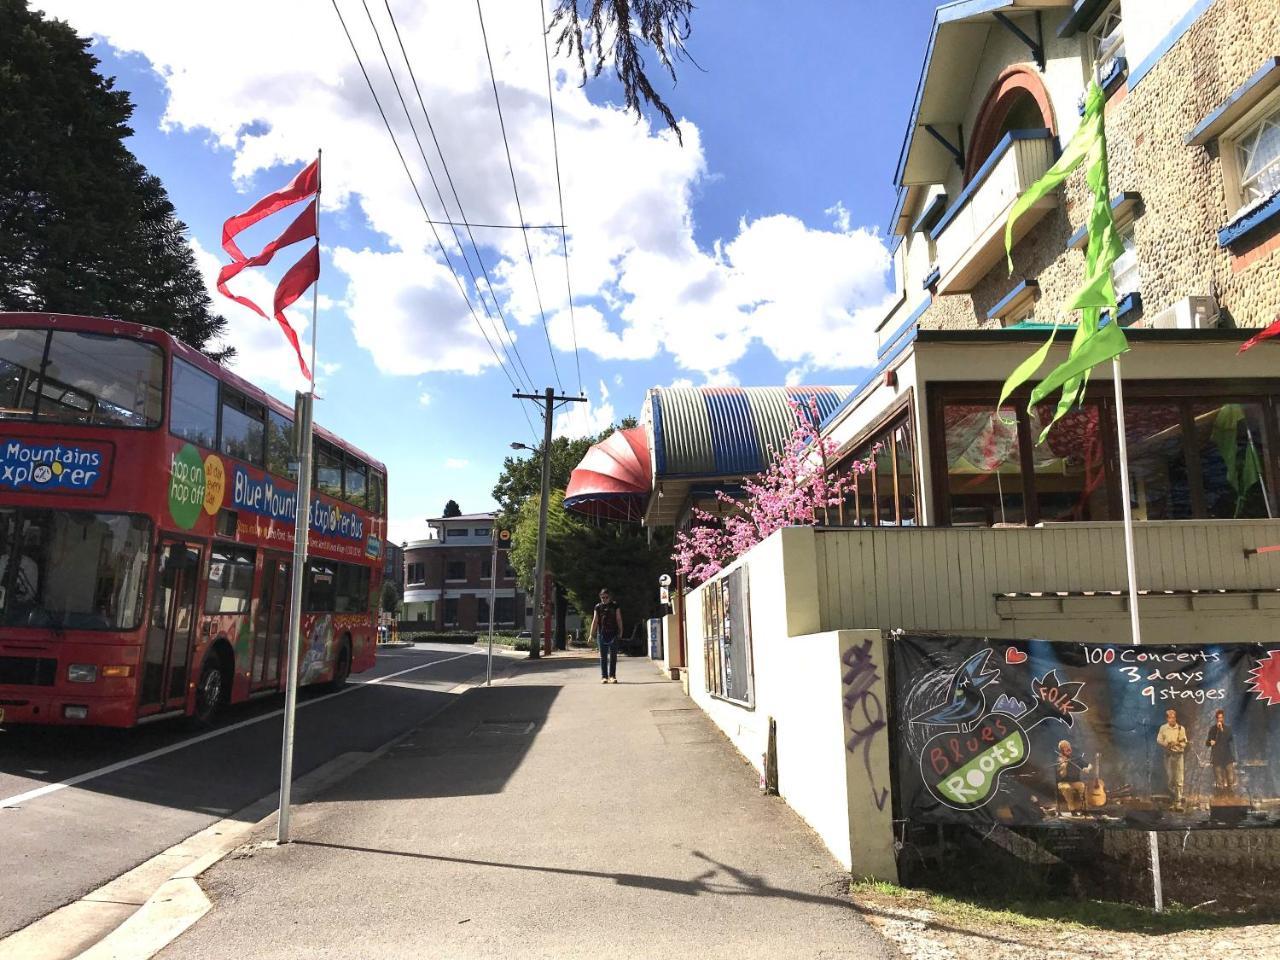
(945,91)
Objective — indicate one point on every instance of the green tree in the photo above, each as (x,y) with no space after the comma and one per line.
(586,557)
(521,477)
(391,596)
(84,228)
(451,509)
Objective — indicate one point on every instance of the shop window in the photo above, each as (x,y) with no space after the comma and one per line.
(230,579)
(984,465)
(504,609)
(193,410)
(1229,446)
(879,480)
(1159,484)
(451,611)
(455,570)
(1070,465)
(482,611)
(904,454)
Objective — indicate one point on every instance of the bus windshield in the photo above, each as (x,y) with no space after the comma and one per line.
(60,376)
(72,570)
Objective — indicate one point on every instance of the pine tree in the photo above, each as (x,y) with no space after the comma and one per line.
(451,509)
(84,228)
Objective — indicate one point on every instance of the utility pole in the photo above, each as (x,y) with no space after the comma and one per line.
(548,399)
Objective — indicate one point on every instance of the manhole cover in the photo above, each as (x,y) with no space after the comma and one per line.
(503,728)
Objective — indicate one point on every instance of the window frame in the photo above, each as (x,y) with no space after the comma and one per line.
(254,410)
(1094,37)
(1229,142)
(1265,393)
(448,564)
(899,415)
(217,404)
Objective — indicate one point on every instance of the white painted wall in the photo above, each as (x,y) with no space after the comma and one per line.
(1148,22)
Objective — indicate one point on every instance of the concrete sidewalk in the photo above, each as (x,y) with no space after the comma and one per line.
(546,816)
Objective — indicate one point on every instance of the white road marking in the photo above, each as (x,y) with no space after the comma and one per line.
(174,747)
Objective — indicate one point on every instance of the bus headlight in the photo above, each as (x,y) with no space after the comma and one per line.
(82,673)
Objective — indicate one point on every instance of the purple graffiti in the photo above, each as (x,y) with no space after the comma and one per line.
(860,678)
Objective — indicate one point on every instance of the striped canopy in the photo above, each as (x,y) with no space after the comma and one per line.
(725,431)
(613,480)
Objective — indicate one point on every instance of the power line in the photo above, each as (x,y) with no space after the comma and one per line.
(414,185)
(564,239)
(456,198)
(440,196)
(496,226)
(516,190)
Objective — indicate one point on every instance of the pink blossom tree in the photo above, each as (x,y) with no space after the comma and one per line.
(792,491)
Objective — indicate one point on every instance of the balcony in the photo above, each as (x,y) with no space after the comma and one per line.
(1060,581)
(970,235)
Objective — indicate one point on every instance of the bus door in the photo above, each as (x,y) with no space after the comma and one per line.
(170,629)
(272,621)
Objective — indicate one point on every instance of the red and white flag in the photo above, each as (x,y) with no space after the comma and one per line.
(298,277)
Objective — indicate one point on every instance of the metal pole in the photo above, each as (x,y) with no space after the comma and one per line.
(1135,623)
(302,523)
(493,601)
(539,588)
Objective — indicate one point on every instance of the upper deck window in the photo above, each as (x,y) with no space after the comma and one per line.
(1258,160)
(67,377)
(193,411)
(1106,41)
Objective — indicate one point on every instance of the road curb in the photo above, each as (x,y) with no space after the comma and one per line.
(140,912)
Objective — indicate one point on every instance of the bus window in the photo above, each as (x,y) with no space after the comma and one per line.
(230,579)
(352,594)
(21,355)
(328,470)
(243,430)
(320,586)
(105,380)
(377,492)
(71,569)
(356,482)
(279,443)
(193,411)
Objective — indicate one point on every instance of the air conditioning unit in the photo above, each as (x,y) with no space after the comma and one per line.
(1189,313)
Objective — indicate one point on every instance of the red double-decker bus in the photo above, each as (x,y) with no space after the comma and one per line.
(146,531)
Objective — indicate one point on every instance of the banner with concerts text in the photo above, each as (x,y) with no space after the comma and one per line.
(1040,733)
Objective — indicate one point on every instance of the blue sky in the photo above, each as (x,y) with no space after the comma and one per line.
(751,255)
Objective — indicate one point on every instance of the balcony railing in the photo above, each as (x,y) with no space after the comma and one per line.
(970,235)
(973,579)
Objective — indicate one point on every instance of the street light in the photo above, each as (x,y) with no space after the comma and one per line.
(539,572)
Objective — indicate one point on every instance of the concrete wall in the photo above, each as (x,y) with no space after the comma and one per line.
(825,691)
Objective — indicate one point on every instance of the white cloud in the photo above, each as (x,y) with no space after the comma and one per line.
(456,463)
(643,286)
(424,399)
(586,419)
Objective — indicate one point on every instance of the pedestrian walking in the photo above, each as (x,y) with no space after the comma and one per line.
(606,627)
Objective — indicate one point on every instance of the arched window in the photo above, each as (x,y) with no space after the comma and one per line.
(1017,100)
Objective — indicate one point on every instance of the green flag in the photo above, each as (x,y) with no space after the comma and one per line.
(1092,343)
(1243,472)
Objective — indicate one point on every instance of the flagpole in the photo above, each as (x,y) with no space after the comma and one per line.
(302,521)
(1135,622)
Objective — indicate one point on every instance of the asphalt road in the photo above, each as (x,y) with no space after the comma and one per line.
(125,806)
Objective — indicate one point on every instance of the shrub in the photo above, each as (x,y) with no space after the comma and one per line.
(438,637)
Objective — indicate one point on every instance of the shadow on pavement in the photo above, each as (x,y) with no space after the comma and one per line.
(719,879)
(473,749)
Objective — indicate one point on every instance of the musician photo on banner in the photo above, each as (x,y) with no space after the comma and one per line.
(1056,734)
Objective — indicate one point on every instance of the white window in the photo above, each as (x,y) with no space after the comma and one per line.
(1257,158)
(1106,40)
(1124,272)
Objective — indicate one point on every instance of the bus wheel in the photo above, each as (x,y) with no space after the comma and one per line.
(211,691)
(342,666)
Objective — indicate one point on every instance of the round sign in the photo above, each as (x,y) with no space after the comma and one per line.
(186,486)
(504,535)
(215,484)
(664,580)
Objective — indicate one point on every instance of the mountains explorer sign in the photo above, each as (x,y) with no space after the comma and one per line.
(1032,732)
